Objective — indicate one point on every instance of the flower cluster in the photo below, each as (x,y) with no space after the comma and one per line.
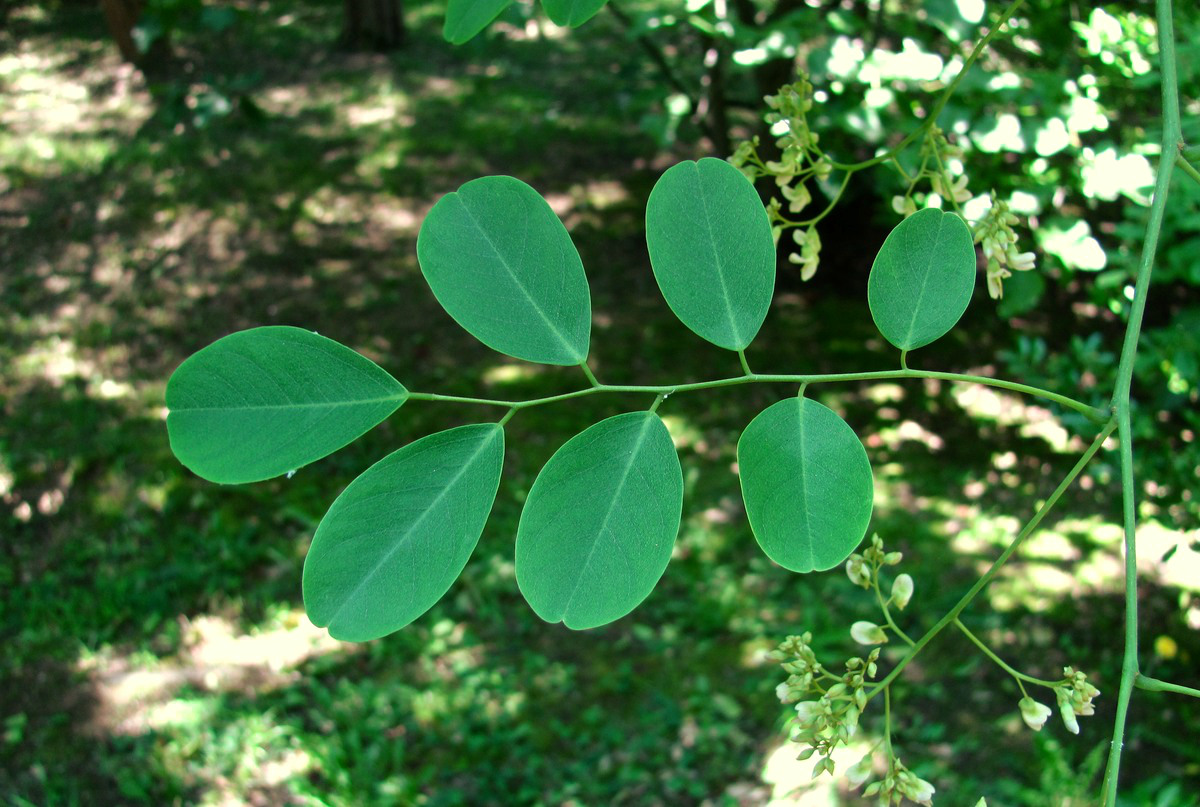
(994,232)
(1074,695)
(828,706)
(900,783)
(942,165)
(800,158)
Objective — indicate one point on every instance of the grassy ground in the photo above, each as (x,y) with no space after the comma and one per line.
(155,646)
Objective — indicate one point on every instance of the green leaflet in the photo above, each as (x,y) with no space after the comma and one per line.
(265,401)
(711,249)
(401,533)
(807,485)
(573,13)
(466,18)
(503,266)
(597,530)
(922,278)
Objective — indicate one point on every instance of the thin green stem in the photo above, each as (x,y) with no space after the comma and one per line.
(945,182)
(1092,413)
(980,47)
(662,396)
(887,721)
(982,582)
(1172,136)
(887,613)
(832,202)
(1017,674)
(1187,167)
(1154,685)
(508,416)
(587,371)
(745,365)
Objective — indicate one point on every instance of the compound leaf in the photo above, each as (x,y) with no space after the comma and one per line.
(807,485)
(922,278)
(400,534)
(573,13)
(597,530)
(711,249)
(466,18)
(503,266)
(265,401)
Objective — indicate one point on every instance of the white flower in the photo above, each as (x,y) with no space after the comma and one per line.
(920,791)
(867,633)
(857,571)
(904,205)
(1033,713)
(902,590)
(859,772)
(1021,261)
(798,197)
(807,710)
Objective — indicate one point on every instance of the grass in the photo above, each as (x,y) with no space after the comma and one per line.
(155,646)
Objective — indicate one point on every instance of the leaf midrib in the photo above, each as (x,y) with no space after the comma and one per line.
(928,272)
(729,315)
(312,405)
(637,447)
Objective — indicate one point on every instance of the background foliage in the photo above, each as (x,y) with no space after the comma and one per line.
(155,646)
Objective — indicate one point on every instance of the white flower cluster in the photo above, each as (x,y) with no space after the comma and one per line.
(799,159)
(828,707)
(994,232)
(942,165)
(1074,696)
(899,784)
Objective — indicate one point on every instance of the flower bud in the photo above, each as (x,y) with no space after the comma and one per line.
(867,633)
(902,590)
(1033,713)
(857,571)
(1066,710)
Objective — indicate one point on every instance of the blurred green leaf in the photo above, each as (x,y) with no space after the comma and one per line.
(572,13)
(466,18)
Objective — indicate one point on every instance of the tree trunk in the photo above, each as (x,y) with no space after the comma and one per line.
(374,24)
(121,17)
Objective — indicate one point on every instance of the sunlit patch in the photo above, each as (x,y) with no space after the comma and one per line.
(683,433)
(135,696)
(502,374)
(1170,556)
(791,780)
(1007,409)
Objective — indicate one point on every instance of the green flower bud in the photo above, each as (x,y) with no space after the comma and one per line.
(867,633)
(902,590)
